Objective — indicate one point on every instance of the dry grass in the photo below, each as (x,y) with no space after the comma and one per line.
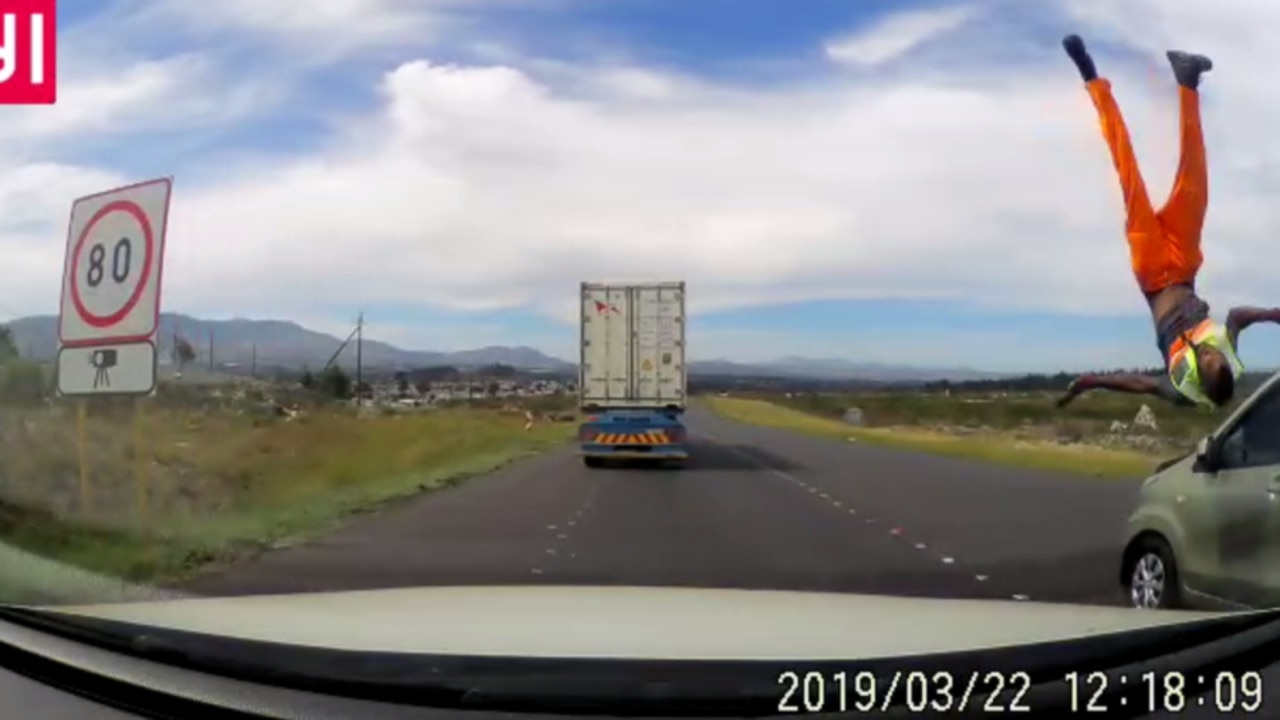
(996,446)
(188,484)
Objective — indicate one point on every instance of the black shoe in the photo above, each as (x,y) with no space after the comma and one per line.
(1187,68)
(1080,56)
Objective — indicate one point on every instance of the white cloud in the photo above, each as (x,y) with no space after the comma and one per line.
(505,185)
(896,35)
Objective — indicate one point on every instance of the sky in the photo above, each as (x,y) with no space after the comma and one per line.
(919,183)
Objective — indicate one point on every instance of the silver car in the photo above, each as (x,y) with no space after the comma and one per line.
(1206,533)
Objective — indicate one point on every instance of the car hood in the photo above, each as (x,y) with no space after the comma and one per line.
(631,622)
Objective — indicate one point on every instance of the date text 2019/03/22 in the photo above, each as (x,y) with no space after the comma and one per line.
(1005,692)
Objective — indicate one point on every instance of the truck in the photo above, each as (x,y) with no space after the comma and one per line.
(632,382)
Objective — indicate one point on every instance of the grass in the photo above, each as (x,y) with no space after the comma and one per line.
(922,432)
(227,482)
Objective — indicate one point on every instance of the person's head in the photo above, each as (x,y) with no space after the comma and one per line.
(1216,378)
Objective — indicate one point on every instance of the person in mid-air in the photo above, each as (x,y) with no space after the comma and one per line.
(1164,248)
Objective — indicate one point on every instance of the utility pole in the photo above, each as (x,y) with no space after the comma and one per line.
(360,357)
(253,360)
(210,349)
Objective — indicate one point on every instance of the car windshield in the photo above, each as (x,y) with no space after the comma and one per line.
(308,298)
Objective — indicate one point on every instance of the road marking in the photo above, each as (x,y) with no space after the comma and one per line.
(1021,597)
(561,536)
(551,527)
(537,571)
(551,551)
(946,560)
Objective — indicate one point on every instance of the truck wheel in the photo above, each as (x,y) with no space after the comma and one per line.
(592,462)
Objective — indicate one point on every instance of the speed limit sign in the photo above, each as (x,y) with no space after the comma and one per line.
(111,273)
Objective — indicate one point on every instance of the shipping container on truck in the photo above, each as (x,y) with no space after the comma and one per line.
(632,380)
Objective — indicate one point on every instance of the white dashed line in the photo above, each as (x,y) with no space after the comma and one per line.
(1021,597)
(551,551)
(561,536)
(537,571)
(945,559)
(551,527)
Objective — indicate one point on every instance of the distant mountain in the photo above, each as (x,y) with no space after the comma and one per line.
(283,344)
(835,369)
(279,343)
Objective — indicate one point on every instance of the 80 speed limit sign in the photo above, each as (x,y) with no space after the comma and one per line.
(111,275)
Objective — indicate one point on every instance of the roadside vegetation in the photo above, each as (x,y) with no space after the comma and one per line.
(1097,435)
(198,476)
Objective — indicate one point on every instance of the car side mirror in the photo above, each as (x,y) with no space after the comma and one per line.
(1207,455)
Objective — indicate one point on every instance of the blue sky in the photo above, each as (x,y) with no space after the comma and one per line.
(911,182)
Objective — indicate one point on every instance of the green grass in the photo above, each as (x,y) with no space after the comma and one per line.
(226,485)
(1032,454)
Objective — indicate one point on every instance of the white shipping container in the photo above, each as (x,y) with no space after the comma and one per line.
(633,352)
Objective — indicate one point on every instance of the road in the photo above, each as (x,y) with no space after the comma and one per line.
(756,508)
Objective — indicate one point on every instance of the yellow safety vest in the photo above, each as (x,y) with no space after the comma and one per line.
(1183,369)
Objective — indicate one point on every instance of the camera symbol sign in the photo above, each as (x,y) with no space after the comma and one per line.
(111,282)
(111,291)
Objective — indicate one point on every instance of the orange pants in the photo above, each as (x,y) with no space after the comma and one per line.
(1164,245)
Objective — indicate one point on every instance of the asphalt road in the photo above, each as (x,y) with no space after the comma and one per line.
(755,508)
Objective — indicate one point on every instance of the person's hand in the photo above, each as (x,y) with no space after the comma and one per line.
(1077,387)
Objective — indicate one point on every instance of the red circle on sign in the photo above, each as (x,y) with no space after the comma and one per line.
(104,321)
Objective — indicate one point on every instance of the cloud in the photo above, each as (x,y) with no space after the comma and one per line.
(483,187)
(896,35)
(504,183)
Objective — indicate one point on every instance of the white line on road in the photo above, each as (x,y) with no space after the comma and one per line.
(946,560)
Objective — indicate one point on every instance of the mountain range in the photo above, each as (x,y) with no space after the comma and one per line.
(284,344)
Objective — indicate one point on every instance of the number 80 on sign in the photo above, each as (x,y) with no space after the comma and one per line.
(115,250)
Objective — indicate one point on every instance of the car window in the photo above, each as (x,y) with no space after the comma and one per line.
(1255,441)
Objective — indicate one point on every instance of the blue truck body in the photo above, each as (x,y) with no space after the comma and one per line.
(638,434)
(632,380)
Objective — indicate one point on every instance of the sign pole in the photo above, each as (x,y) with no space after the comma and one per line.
(82,449)
(141,479)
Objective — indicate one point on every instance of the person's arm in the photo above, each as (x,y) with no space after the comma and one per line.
(1132,384)
(1242,317)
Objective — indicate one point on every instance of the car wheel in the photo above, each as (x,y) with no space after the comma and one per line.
(1152,579)
(592,462)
